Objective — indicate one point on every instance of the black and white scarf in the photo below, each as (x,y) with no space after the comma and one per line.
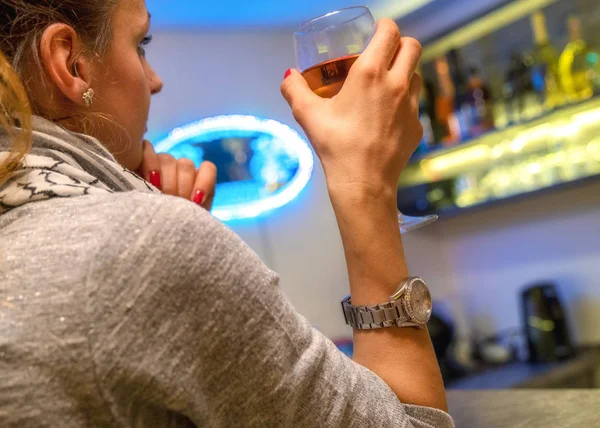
(63,164)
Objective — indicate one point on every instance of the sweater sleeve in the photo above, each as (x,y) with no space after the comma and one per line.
(188,323)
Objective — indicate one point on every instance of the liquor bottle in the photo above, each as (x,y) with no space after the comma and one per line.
(595,60)
(481,98)
(575,69)
(428,141)
(523,92)
(431,94)
(445,104)
(458,75)
(426,113)
(545,66)
(514,88)
(465,109)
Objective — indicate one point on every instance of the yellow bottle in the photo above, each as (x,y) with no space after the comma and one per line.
(546,59)
(575,71)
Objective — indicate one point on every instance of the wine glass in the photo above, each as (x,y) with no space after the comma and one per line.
(326,48)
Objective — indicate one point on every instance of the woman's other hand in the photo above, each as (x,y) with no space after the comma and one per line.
(366,134)
(179,177)
(364,137)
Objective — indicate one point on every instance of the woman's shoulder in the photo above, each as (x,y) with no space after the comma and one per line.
(115,238)
(109,212)
(119,223)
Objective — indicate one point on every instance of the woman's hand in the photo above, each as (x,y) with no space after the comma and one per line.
(179,177)
(364,137)
(366,134)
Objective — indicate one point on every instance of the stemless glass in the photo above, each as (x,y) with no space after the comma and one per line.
(326,48)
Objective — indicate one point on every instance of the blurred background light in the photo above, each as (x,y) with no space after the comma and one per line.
(262,164)
(262,14)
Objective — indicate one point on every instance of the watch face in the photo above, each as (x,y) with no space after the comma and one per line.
(419,302)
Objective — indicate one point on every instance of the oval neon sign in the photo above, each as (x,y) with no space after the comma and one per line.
(262,164)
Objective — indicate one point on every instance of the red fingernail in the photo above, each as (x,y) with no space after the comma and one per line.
(287,74)
(155,179)
(199,197)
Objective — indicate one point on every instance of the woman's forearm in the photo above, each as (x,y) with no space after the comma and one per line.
(364,137)
(402,357)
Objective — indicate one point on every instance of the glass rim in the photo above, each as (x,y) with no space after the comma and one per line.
(335,12)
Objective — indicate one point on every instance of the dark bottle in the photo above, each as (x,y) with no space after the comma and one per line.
(463,100)
(431,95)
(458,75)
(426,115)
(480,98)
(519,93)
(445,104)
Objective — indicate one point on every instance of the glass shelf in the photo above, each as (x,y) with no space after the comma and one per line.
(558,148)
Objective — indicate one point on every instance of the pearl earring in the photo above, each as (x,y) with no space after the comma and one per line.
(88,97)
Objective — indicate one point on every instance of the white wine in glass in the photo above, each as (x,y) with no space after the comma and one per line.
(326,49)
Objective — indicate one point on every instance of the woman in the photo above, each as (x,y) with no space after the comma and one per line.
(122,305)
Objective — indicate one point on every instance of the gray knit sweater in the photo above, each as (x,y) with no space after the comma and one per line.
(134,309)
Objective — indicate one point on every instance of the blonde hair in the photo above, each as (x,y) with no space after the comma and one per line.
(22,23)
(14,109)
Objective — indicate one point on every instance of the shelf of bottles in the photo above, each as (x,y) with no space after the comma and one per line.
(538,129)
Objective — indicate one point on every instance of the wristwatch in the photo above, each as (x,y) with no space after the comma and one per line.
(409,306)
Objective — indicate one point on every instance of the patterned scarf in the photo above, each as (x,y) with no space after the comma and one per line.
(63,164)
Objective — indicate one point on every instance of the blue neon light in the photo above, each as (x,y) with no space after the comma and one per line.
(280,155)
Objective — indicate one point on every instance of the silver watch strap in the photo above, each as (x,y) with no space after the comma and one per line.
(373,317)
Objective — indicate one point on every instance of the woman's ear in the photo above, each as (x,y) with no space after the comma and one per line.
(61,53)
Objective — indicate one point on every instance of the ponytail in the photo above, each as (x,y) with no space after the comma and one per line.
(15,113)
